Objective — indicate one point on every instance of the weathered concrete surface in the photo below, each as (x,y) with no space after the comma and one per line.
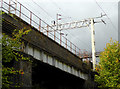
(42,42)
(24,80)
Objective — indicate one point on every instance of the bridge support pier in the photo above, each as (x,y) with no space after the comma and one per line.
(24,79)
(89,83)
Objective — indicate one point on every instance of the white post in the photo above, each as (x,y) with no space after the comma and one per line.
(56,25)
(57,22)
(93,43)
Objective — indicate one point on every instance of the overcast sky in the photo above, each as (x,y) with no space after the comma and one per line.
(79,10)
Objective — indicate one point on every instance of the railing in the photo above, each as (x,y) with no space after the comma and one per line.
(27,15)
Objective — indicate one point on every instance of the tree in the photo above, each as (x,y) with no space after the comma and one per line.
(109,67)
(11,47)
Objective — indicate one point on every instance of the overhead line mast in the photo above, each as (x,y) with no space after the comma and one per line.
(80,24)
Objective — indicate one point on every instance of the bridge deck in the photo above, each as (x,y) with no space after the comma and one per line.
(42,42)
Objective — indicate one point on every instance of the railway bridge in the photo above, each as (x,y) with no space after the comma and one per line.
(54,66)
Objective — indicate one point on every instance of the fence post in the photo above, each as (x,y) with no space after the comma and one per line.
(30,17)
(1,3)
(20,11)
(66,43)
(79,53)
(9,5)
(71,46)
(15,6)
(47,29)
(39,24)
(75,49)
(60,38)
(54,35)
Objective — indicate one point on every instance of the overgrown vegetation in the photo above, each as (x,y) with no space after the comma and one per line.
(109,67)
(11,47)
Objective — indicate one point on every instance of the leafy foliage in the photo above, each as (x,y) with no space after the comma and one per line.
(109,67)
(11,46)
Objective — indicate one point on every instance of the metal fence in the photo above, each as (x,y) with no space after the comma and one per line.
(15,7)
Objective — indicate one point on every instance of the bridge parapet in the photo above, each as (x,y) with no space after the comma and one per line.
(14,7)
(45,49)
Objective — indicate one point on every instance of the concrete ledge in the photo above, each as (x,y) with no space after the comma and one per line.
(42,42)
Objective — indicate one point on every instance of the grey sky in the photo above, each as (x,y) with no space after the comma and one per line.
(79,10)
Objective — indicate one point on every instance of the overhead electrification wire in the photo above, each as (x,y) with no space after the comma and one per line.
(106,15)
(81,41)
(52,18)
(55,4)
(33,8)
(72,20)
(42,9)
